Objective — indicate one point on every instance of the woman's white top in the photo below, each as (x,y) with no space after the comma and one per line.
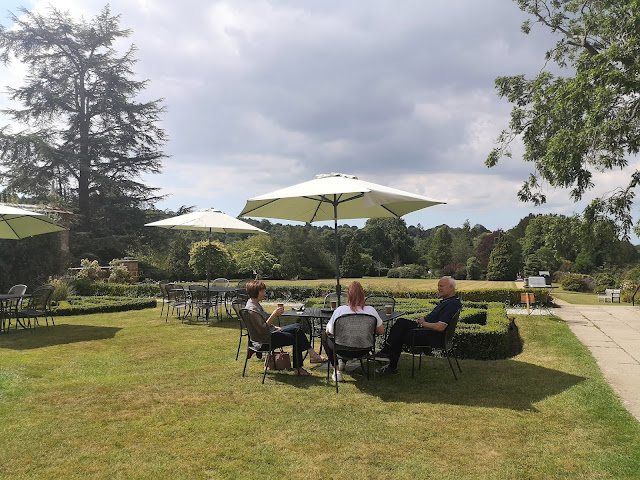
(346,310)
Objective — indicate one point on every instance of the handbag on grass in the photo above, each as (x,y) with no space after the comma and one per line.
(279,360)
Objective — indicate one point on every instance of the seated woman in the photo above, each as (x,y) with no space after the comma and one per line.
(282,336)
(355,300)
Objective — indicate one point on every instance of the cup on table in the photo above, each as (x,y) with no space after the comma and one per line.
(334,304)
(388,309)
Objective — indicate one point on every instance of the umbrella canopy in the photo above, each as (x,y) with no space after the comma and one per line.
(335,197)
(207,220)
(16,223)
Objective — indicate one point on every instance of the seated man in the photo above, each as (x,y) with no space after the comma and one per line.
(434,325)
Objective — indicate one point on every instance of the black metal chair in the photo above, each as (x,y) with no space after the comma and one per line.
(237,304)
(178,300)
(380,301)
(258,332)
(38,305)
(10,307)
(333,297)
(200,300)
(354,337)
(165,295)
(446,350)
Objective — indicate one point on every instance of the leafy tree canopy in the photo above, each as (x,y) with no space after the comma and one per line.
(588,121)
(86,134)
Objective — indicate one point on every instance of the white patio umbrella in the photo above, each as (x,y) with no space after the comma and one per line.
(17,223)
(206,220)
(335,197)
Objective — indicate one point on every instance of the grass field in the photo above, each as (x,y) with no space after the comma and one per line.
(126,395)
(579,298)
(369,283)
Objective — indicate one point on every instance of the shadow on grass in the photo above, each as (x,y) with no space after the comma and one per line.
(506,384)
(54,335)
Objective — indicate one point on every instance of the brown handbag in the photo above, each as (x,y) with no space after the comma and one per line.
(279,360)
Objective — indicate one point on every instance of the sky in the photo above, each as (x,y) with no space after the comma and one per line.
(262,94)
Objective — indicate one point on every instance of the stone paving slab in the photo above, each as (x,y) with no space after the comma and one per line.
(612,335)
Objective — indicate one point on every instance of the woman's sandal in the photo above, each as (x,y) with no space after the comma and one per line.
(301,372)
(318,359)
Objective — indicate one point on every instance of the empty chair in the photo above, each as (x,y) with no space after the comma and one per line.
(354,337)
(380,301)
(165,295)
(38,305)
(447,349)
(200,300)
(178,299)
(333,297)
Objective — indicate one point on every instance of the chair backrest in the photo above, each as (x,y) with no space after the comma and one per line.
(39,299)
(333,297)
(380,301)
(237,304)
(451,330)
(199,293)
(18,290)
(355,330)
(220,282)
(163,289)
(256,326)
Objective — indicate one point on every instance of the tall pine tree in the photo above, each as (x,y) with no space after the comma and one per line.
(84,131)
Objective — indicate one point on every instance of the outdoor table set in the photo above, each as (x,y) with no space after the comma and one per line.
(9,305)
(314,319)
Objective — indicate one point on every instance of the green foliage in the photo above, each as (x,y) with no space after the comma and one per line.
(76,305)
(387,240)
(61,289)
(88,288)
(606,280)
(178,266)
(577,126)
(90,270)
(31,261)
(88,135)
(440,251)
(118,273)
(212,257)
(254,260)
(408,271)
(352,262)
(574,282)
(474,271)
(503,261)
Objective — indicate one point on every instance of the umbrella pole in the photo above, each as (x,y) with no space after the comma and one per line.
(335,228)
(208,278)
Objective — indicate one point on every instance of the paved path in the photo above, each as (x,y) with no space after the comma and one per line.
(612,334)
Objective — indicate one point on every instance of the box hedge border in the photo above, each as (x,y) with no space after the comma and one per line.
(482,332)
(102,304)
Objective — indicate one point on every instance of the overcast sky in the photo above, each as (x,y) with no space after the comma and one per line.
(264,94)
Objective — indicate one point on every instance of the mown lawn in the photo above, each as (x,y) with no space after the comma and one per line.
(370,283)
(580,298)
(126,395)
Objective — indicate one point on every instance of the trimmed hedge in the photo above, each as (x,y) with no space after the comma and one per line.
(511,295)
(90,289)
(482,332)
(76,305)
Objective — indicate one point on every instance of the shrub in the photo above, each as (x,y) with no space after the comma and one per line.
(407,271)
(575,282)
(76,305)
(119,273)
(605,280)
(60,289)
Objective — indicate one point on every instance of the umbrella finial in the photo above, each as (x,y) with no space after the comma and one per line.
(334,174)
